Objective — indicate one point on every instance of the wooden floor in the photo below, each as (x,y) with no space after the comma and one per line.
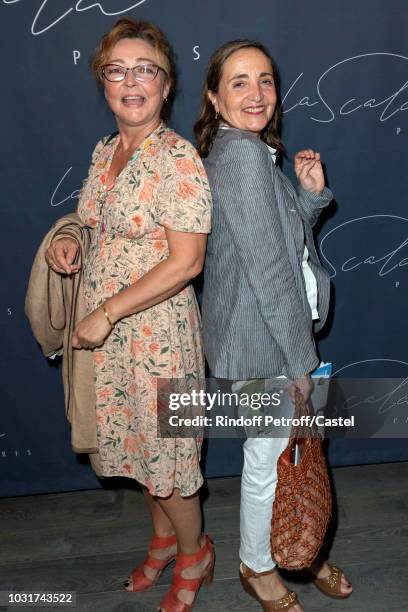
(88,541)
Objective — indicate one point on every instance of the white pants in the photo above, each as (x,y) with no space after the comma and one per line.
(258,484)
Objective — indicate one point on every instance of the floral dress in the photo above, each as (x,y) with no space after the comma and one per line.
(164,185)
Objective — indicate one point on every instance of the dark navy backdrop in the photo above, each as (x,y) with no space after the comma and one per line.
(344,69)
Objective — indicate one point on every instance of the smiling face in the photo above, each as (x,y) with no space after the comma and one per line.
(246,97)
(133,103)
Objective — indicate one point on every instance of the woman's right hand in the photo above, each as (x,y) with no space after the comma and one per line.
(60,255)
(305,385)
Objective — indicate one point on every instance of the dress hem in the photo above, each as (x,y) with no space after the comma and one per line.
(183,491)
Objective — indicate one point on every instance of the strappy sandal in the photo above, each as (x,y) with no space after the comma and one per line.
(171,602)
(287,602)
(140,582)
(331,585)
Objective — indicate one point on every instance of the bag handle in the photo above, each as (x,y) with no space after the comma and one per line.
(300,435)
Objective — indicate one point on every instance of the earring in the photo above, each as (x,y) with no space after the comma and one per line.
(217,114)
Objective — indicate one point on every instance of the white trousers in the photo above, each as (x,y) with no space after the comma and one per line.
(258,484)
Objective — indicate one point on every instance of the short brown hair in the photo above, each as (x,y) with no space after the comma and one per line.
(206,127)
(129,28)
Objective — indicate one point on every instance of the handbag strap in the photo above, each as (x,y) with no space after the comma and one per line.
(304,431)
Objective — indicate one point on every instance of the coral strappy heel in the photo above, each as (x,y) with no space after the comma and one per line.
(170,602)
(140,582)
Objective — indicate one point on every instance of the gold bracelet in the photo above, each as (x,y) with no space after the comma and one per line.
(107,316)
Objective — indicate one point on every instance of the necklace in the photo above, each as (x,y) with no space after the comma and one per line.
(102,196)
(105,188)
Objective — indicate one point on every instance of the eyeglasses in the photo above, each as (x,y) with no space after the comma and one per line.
(145,73)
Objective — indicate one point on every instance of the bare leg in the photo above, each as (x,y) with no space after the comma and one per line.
(162,528)
(184,514)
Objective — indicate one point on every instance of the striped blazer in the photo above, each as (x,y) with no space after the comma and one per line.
(257,321)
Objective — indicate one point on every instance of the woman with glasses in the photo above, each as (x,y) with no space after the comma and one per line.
(148,203)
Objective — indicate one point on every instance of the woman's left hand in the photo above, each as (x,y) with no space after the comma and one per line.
(309,171)
(91,331)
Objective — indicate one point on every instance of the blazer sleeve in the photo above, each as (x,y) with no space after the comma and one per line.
(244,186)
(313,204)
(310,204)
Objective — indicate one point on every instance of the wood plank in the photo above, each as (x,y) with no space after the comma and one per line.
(88,541)
(375,591)
(102,536)
(367,482)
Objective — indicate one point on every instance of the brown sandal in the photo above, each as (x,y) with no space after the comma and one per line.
(331,585)
(287,602)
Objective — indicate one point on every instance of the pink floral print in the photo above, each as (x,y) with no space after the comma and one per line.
(163,186)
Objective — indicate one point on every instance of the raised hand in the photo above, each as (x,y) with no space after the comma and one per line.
(309,171)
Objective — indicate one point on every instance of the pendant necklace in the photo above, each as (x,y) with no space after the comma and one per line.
(104,189)
(102,195)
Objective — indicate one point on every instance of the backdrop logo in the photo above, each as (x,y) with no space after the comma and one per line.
(16,452)
(385,365)
(377,242)
(362,83)
(42,21)
(384,392)
(56,199)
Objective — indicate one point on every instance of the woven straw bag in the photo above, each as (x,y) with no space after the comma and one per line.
(303,501)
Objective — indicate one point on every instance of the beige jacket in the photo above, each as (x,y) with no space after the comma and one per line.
(54,305)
